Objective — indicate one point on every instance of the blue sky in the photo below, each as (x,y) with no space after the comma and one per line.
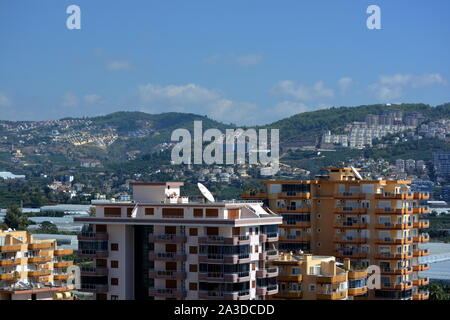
(246,62)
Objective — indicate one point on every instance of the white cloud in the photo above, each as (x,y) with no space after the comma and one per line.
(69,100)
(196,99)
(249,59)
(301,92)
(92,98)
(344,84)
(289,108)
(390,87)
(117,65)
(4,100)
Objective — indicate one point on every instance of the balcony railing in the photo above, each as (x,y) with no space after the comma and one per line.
(93,236)
(10,248)
(171,238)
(94,271)
(234,240)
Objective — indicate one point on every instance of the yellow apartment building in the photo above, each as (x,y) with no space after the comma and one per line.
(32,269)
(309,277)
(371,222)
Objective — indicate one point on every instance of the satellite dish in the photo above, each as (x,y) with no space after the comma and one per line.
(205,192)
(356,173)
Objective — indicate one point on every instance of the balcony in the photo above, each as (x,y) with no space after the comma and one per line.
(167,274)
(349,240)
(39,260)
(224,277)
(267,290)
(394,226)
(167,293)
(421,295)
(62,264)
(271,255)
(11,248)
(294,238)
(393,256)
(296,224)
(267,273)
(224,295)
(349,225)
(59,277)
(297,295)
(422,238)
(422,224)
(292,209)
(421,253)
(422,196)
(294,195)
(6,276)
(269,237)
(166,238)
(357,274)
(62,252)
(349,195)
(221,258)
(397,286)
(93,254)
(234,240)
(10,262)
(93,287)
(167,256)
(421,267)
(394,211)
(421,281)
(254,195)
(395,196)
(87,236)
(351,254)
(38,273)
(392,241)
(338,295)
(357,291)
(397,271)
(40,246)
(350,210)
(94,271)
(332,279)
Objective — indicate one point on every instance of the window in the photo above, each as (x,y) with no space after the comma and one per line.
(233,213)
(192,268)
(193,231)
(193,286)
(212,231)
(114,281)
(253,284)
(114,247)
(129,212)
(173,212)
(193,250)
(149,211)
(114,264)
(112,212)
(114,297)
(198,213)
(212,213)
(312,287)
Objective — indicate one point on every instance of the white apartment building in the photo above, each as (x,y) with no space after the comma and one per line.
(162,246)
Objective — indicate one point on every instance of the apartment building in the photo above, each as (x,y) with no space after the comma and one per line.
(162,246)
(372,222)
(310,277)
(32,269)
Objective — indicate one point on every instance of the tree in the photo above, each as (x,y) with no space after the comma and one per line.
(47,227)
(437,292)
(14,219)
